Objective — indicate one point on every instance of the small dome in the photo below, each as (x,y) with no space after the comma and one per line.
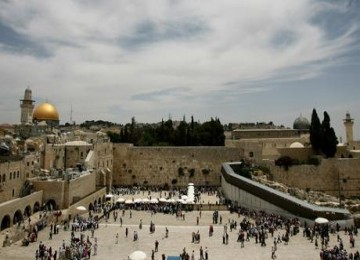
(45,111)
(296,145)
(301,123)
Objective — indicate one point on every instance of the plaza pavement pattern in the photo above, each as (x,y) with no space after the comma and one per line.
(180,232)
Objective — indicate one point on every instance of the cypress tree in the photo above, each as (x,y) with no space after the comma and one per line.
(315,132)
(329,140)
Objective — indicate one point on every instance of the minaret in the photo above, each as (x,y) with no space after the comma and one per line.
(27,107)
(349,122)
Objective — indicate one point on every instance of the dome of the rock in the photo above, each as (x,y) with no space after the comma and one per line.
(45,112)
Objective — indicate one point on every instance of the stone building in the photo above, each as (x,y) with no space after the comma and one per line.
(263,142)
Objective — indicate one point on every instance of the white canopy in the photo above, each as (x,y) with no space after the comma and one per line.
(81,208)
(137,255)
(121,200)
(321,220)
(154,200)
(129,202)
(109,196)
(146,200)
(138,200)
(162,200)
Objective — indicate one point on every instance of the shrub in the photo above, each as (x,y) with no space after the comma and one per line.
(284,161)
(192,172)
(205,171)
(181,171)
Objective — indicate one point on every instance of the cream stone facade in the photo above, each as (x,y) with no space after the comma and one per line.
(12,178)
(63,192)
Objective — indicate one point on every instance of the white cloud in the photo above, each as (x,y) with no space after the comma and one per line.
(99,55)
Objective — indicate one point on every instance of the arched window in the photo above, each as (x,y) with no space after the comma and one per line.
(4,177)
(10,176)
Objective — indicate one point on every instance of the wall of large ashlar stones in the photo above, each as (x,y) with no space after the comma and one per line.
(330,176)
(157,166)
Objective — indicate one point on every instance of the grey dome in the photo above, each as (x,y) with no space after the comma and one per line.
(301,123)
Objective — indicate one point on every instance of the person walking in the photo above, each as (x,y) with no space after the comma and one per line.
(95,248)
(126,232)
(201,253)
(117,238)
(206,252)
(156,246)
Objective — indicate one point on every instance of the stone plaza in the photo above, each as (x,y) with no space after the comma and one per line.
(180,236)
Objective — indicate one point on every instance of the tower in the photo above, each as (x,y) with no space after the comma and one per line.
(349,122)
(27,106)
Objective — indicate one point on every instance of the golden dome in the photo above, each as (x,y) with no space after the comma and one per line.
(45,111)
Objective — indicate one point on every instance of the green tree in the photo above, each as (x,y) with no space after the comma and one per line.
(329,139)
(315,132)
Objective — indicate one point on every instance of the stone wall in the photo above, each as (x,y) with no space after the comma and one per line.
(333,176)
(157,166)
(65,193)
(52,190)
(81,187)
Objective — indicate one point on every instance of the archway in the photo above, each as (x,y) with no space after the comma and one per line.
(99,201)
(17,217)
(50,204)
(36,207)
(5,223)
(27,211)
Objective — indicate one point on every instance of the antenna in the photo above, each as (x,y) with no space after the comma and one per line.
(71,113)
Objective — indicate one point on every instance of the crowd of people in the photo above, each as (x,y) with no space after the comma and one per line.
(252,225)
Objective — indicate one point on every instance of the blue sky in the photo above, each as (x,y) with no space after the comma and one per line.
(241,61)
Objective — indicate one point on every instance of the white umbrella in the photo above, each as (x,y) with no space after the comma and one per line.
(138,200)
(137,255)
(81,208)
(109,196)
(321,220)
(129,202)
(145,200)
(162,200)
(121,200)
(191,184)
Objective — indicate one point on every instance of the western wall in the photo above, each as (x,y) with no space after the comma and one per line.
(158,166)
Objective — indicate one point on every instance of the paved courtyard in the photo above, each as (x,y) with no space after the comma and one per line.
(179,238)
